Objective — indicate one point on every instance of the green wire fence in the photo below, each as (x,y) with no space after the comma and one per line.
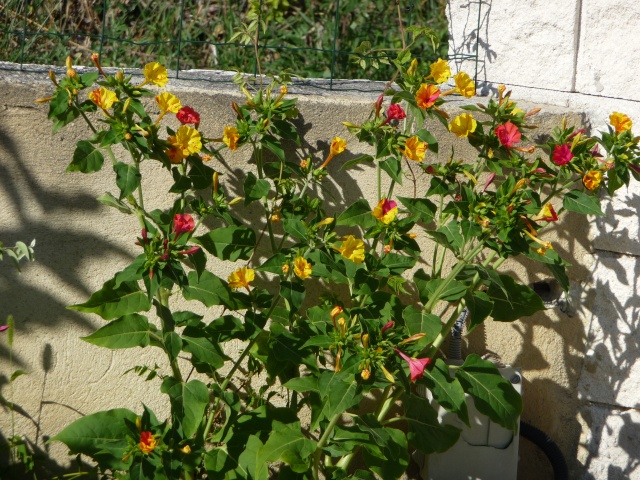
(311,38)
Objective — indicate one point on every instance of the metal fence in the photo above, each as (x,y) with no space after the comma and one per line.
(313,38)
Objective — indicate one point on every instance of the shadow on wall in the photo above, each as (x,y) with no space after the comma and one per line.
(471,37)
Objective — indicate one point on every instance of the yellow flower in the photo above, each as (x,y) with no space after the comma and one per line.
(231,137)
(168,102)
(465,85)
(440,71)
(365,373)
(337,146)
(592,179)
(187,140)
(385,211)
(241,278)
(414,149)
(103,98)
(156,74)
(413,67)
(352,249)
(620,122)
(463,125)
(427,95)
(301,268)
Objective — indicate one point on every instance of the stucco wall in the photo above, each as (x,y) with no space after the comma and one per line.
(582,55)
(81,243)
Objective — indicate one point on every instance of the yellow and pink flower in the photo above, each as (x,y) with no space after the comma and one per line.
(385,211)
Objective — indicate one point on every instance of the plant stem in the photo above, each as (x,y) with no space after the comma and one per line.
(322,442)
(163,297)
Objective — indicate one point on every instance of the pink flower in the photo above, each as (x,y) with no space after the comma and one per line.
(489,181)
(387,326)
(4,327)
(395,112)
(182,222)
(416,365)
(189,251)
(188,115)
(508,134)
(562,154)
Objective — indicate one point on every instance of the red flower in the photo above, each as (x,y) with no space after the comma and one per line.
(387,326)
(416,365)
(395,112)
(508,134)
(147,442)
(182,222)
(188,115)
(189,251)
(562,154)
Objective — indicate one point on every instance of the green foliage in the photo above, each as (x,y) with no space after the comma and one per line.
(324,299)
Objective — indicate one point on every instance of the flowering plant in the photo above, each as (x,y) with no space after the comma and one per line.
(364,336)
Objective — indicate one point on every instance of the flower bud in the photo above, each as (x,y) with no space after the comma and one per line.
(337,310)
(70,71)
(139,423)
(365,374)
(412,338)
(44,100)
(326,221)
(285,268)
(186,449)
(387,374)
(120,75)
(52,76)
(235,200)
(365,340)
(216,182)
(127,102)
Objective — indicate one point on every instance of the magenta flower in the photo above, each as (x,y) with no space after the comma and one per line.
(395,112)
(189,251)
(387,326)
(183,222)
(4,327)
(416,365)
(508,134)
(489,181)
(188,115)
(562,154)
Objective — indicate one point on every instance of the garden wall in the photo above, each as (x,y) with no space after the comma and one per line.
(581,55)
(81,243)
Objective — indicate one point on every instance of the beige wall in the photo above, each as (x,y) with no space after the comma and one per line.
(81,243)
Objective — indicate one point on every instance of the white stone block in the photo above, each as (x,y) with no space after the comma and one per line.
(611,372)
(609,50)
(609,444)
(619,230)
(528,43)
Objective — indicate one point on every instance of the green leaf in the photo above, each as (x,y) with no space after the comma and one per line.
(229,243)
(446,391)
(303,384)
(101,436)
(111,201)
(188,402)
(293,293)
(273,264)
(127,178)
(126,332)
(425,432)
(273,144)
(420,207)
(358,214)
(577,201)
(16,374)
(480,307)
(417,321)
(393,167)
(86,158)
(513,301)
(339,392)
(452,232)
(493,395)
(250,464)
(388,452)
(356,161)
(430,140)
(453,292)
(201,175)
(203,349)
(397,264)
(173,344)
(255,189)
(288,444)
(208,289)
(296,228)
(110,302)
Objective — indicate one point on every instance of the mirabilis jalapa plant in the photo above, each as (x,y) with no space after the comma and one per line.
(328,355)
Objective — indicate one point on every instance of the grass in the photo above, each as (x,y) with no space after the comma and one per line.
(306,36)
